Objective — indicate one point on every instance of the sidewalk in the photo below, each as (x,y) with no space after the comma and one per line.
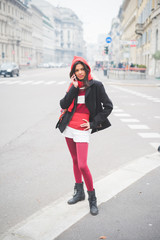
(148,82)
(133,214)
(129,209)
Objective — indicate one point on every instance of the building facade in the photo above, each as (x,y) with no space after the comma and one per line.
(37,36)
(15,32)
(114,46)
(35,32)
(127,17)
(140,22)
(68,31)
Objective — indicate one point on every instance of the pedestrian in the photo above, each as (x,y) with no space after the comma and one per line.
(87,107)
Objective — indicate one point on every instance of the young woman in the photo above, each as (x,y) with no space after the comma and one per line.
(87,107)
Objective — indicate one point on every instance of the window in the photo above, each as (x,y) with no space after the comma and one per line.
(156,39)
(4,7)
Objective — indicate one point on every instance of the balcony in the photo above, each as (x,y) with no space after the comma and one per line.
(139,28)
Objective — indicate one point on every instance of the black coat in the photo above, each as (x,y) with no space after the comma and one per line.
(97,102)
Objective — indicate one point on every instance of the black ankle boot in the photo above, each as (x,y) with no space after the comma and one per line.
(79,194)
(92,202)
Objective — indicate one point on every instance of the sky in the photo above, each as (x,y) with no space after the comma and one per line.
(96,15)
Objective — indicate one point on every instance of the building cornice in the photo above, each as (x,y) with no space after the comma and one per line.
(155,13)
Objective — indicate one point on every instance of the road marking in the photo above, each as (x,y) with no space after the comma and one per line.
(149,135)
(48,83)
(26,82)
(122,115)
(155,144)
(63,82)
(138,126)
(37,82)
(1,82)
(7,82)
(150,98)
(10,82)
(54,219)
(117,110)
(129,120)
(158,117)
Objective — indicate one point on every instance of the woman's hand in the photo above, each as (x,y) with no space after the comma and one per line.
(74,81)
(85,125)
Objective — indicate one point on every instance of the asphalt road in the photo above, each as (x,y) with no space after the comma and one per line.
(36,168)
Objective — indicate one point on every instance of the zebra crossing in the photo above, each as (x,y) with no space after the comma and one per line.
(137,125)
(30,82)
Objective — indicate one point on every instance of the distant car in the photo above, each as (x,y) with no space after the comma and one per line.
(10,69)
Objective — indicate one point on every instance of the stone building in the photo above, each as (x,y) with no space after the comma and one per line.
(15,32)
(128,15)
(140,21)
(155,38)
(37,36)
(114,46)
(68,31)
(35,32)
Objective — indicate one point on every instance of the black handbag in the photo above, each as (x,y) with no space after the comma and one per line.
(63,112)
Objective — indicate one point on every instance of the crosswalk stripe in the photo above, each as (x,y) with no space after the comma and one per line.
(149,135)
(51,82)
(61,82)
(129,120)
(26,82)
(122,115)
(37,82)
(132,126)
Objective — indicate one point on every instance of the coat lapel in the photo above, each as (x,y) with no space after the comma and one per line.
(91,82)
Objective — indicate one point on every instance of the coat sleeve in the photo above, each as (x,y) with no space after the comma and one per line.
(107,108)
(68,98)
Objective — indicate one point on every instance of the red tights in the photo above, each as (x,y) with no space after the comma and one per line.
(79,151)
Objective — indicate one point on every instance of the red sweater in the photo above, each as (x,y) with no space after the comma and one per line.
(80,113)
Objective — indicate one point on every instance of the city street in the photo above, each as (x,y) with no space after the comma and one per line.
(35,165)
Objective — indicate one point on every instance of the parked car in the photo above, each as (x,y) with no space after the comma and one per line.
(10,69)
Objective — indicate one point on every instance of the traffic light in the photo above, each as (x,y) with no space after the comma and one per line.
(106,50)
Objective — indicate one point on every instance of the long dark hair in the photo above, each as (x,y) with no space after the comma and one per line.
(86,69)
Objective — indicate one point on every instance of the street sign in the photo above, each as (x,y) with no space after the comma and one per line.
(108,40)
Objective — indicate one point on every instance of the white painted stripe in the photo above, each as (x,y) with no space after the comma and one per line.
(26,82)
(117,110)
(48,83)
(2,82)
(129,120)
(158,117)
(63,82)
(122,115)
(155,145)
(8,82)
(37,82)
(138,126)
(54,219)
(149,135)
(14,82)
(150,98)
